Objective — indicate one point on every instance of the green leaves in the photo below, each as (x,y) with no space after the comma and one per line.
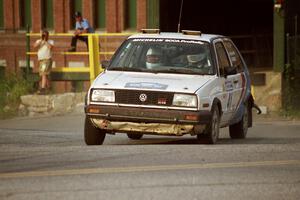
(12,87)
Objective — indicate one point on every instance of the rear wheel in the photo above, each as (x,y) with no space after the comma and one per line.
(211,133)
(134,136)
(239,130)
(93,135)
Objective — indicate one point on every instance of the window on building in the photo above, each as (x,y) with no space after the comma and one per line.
(47,14)
(100,14)
(25,13)
(130,14)
(1,14)
(75,5)
(152,13)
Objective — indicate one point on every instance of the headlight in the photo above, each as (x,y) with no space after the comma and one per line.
(185,100)
(103,95)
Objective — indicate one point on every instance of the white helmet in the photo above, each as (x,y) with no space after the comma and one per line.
(196,58)
(153,58)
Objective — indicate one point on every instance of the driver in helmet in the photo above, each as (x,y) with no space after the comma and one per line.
(153,57)
(197,60)
(200,61)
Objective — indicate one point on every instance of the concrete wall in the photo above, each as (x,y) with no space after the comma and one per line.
(36,105)
(267,91)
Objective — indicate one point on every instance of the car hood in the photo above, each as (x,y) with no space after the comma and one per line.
(149,81)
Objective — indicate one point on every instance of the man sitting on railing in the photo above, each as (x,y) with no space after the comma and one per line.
(82,26)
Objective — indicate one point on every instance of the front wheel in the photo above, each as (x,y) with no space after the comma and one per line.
(211,133)
(239,130)
(93,135)
(134,136)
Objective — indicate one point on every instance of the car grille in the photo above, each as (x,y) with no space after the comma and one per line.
(144,97)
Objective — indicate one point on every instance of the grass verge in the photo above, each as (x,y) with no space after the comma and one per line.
(12,87)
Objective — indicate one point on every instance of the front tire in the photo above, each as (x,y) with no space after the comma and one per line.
(239,130)
(93,135)
(211,133)
(134,136)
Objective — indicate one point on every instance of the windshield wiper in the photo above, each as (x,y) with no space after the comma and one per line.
(178,70)
(128,69)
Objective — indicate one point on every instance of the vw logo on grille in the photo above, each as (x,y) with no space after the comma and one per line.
(143,97)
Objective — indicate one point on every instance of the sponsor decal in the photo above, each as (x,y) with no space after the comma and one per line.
(243,90)
(146,85)
(167,40)
(162,101)
(229,85)
(147,40)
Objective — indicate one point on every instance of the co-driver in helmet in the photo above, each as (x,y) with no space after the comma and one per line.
(153,58)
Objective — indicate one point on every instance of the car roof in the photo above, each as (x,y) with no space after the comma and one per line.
(173,35)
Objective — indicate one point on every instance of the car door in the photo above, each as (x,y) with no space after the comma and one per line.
(226,82)
(239,79)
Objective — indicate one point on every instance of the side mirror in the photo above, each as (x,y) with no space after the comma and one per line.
(105,63)
(230,71)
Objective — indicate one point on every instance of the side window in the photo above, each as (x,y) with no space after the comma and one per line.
(234,56)
(222,57)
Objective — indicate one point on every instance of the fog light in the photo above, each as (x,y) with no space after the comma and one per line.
(94,110)
(191,117)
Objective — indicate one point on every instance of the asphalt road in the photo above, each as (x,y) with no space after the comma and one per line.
(46,158)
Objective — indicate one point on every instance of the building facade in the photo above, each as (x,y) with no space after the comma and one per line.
(252,33)
(57,16)
(258,28)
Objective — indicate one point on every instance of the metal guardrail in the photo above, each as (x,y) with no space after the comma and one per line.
(93,52)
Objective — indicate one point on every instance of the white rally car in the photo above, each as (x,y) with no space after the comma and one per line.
(171,84)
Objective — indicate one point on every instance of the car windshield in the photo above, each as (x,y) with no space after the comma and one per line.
(164,56)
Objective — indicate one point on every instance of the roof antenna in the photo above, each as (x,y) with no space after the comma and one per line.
(178,28)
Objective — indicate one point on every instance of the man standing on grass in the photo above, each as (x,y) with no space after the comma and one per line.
(44,46)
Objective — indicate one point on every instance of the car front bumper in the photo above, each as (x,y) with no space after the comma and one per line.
(148,115)
(147,120)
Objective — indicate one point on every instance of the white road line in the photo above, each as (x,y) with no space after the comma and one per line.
(88,171)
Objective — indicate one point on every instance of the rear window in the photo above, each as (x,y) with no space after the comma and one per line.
(234,56)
